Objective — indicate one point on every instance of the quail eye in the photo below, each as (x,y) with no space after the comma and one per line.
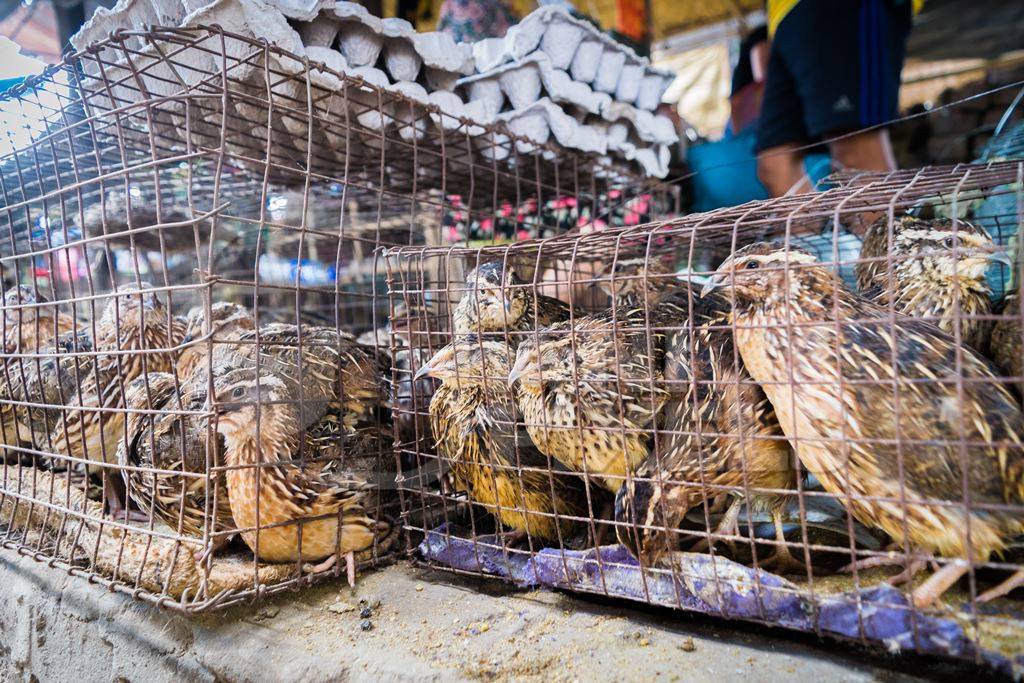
(751,265)
(238,392)
(948,242)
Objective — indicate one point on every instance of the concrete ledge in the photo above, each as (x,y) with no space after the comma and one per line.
(427,626)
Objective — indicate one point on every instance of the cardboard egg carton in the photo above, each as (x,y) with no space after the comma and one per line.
(579,48)
(363,38)
(360,37)
(525,94)
(327,39)
(335,38)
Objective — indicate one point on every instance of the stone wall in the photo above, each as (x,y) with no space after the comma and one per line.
(959,133)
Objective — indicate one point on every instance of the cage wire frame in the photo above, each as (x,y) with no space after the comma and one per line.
(452,530)
(194,160)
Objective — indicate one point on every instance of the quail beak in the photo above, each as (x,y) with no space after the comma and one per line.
(983,256)
(218,408)
(1001,254)
(716,281)
(424,371)
(432,368)
(518,370)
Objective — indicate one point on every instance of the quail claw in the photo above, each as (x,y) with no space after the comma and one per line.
(908,573)
(1015,581)
(782,562)
(938,583)
(514,538)
(321,567)
(889,560)
(727,526)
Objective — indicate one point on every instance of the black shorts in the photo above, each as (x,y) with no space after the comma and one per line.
(834,67)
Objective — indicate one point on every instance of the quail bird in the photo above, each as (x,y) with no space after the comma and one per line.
(938,273)
(879,415)
(473,419)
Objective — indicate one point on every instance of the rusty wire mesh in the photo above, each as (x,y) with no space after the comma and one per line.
(627,416)
(191,247)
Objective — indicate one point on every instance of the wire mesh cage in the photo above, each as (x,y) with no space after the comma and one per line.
(196,394)
(751,412)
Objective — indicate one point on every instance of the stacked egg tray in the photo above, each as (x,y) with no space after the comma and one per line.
(452,533)
(554,75)
(409,85)
(214,91)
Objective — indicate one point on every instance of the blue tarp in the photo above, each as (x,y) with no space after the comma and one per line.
(715,585)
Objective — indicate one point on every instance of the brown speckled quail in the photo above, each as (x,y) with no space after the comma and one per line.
(938,273)
(29,327)
(332,367)
(1005,340)
(495,300)
(473,419)
(719,430)
(227,322)
(78,390)
(591,393)
(282,506)
(833,368)
(176,443)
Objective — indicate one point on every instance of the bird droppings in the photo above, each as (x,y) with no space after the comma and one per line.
(365,613)
(341,607)
(366,625)
(372,603)
(631,635)
(265,613)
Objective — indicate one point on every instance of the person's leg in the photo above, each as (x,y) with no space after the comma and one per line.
(780,127)
(867,151)
(847,71)
(781,169)
(881,62)
(881,46)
